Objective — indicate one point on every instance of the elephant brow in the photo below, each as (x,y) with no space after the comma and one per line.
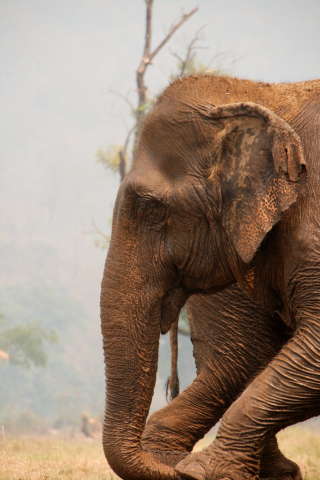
(136,193)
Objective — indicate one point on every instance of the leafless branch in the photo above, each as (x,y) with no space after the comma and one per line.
(189,51)
(128,137)
(122,165)
(96,230)
(176,55)
(226,57)
(149,56)
(172,30)
(123,154)
(125,98)
(148,30)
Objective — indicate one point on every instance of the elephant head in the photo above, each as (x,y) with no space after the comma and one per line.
(207,185)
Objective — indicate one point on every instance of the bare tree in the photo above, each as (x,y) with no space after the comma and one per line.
(117,157)
(223,60)
(186,62)
(148,57)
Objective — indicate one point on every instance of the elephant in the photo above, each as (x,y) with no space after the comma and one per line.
(223,191)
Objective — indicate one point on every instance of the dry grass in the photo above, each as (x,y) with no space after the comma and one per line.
(52,459)
(303,447)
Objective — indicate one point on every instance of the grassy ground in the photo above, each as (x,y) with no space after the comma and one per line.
(51,459)
(302,446)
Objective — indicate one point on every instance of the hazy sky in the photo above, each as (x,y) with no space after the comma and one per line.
(59,61)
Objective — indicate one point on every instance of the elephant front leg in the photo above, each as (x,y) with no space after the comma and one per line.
(286,392)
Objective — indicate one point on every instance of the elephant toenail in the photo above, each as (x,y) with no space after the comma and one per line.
(192,471)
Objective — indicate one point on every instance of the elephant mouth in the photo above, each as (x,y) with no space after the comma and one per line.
(172,303)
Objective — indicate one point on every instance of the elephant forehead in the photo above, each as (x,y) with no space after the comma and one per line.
(172,154)
(164,163)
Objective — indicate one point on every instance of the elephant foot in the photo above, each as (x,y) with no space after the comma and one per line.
(194,466)
(283,473)
(285,476)
(275,466)
(212,464)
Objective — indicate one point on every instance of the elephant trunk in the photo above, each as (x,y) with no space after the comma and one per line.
(130,316)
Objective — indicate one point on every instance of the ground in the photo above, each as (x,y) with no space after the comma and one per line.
(52,459)
(75,459)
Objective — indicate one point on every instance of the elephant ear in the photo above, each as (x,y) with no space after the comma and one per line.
(261,167)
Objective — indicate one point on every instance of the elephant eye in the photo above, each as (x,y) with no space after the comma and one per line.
(151,211)
(142,206)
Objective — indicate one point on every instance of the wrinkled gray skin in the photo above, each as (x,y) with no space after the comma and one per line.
(224,190)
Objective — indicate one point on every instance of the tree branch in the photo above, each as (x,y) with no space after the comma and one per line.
(123,153)
(126,99)
(128,137)
(189,55)
(173,29)
(122,165)
(97,230)
(148,57)
(148,29)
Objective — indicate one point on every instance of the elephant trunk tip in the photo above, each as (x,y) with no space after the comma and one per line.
(134,463)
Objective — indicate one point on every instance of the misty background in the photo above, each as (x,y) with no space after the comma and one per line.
(60,59)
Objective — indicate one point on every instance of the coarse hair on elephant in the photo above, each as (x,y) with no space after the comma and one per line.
(223,194)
